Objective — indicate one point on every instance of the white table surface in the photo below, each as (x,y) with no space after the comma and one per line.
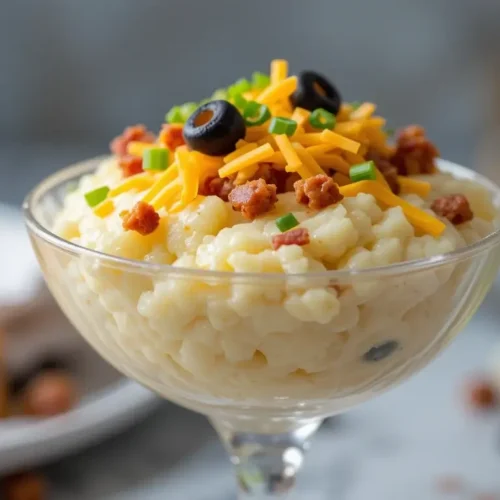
(392,448)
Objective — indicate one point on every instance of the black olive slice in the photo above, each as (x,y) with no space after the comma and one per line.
(315,91)
(214,128)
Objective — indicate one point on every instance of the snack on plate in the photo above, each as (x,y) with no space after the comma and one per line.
(276,175)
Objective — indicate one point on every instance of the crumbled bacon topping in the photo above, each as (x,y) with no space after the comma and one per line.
(253,198)
(454,207)
(171,136)
(414,154)
(142,219)
(298,236)
(317,192)
(139,133)
(130,165)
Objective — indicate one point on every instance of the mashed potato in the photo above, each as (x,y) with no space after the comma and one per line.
(248,340)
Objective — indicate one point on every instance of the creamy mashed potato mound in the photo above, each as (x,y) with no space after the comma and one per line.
(248,339)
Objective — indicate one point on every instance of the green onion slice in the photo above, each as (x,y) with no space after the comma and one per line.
(255,113)
(363,172)
(96,196)
(322,119)
(286,222)
(155,159)
(281,125)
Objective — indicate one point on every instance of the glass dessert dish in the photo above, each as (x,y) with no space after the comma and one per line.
(341,286)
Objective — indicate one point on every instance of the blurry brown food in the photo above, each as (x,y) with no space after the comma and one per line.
(24,486)
(387,169)
(481,394)
(454,207)
(49,394)
(138,133)
(143,219)
(317,192)
(415,154)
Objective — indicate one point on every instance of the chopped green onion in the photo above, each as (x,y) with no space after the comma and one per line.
(286,222)
(175,115)
(188,109)
(322,119)
(96,196)
(219,95)
(260,80)
(281,125)
(256,114)
(155,159)
(390,132)
(241,86)
(355,104)
(239,101)
(363,172)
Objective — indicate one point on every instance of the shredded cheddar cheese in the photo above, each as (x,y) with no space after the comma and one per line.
(341,179)
(259,154)
(339,141)
(278,91)
(289,153)
(419,218)
(279,70)
(167,195)
(239,152)
(381,178)
(136,148)
(189,176)
(139,182)
(166,178)
(307,160)
(105,208)
(409,185)
(365,111)
(301,116)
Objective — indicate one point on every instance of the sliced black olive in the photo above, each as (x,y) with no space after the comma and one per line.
(214,128)
(381,351)
(315,91)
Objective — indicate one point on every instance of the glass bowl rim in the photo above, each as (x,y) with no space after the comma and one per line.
(79,169)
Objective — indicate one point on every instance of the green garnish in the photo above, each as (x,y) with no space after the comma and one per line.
(239,101)
(355,105)
(281,125)
(219,95)
(322,119)
(155,159)
(260,80)
(188,109)
(96,196)
(256,114)
(390,132)
(286,222)
(175,115)
(239,87)
(363,172)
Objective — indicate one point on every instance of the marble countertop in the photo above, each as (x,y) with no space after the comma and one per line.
(396,446)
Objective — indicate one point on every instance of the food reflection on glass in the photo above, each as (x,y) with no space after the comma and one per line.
(270,258)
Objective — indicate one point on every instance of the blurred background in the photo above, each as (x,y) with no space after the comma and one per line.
(75,73)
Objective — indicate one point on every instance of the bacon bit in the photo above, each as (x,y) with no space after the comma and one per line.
(274,176)
(481,395)
(130,165)
(415,154)
(24,486)
(139,133)
(253,198)
(142,218)
(387,169)
(317,192)
(215,186)
(298,236)
(454,207)
(171,136)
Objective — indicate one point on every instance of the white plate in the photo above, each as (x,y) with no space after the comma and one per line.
(37,329)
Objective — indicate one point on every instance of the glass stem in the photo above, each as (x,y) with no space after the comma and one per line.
(266,463)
